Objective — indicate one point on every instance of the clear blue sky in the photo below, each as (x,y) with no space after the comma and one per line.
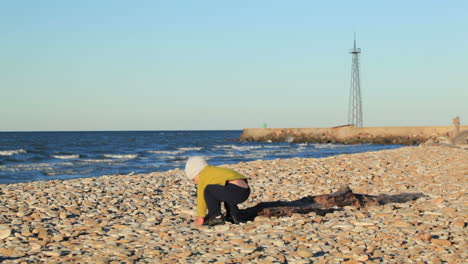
(164,65)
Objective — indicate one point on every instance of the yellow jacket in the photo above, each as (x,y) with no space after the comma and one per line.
(213,175)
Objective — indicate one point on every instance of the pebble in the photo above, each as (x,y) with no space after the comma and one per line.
(343,226)
(364,224)
(5,231)
(305,253)
(401,224)
(362,258)
(7,252)
(148,218)
(441,242)
(63,215)
(35,247)
(222,228)
(51,253)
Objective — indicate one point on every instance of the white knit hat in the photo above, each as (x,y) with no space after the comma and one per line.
(194,166)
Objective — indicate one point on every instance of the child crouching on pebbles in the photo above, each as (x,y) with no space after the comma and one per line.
(216,185)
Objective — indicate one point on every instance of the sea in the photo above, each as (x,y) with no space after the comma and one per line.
(32,156)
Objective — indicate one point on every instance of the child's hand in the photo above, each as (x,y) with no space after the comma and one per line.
(200,220)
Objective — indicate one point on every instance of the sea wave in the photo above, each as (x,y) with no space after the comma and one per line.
(333,146)
(32,166)
(11,152)
(75,156)
(61,172)
(190,148)
(167,152)
(173,157)
(240,148)
(248,148)
(87,161)
(121,156)
(257,155)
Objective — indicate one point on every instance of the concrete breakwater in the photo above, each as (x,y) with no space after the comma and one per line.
(354,135)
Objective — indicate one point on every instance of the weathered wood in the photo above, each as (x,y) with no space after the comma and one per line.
(323,204)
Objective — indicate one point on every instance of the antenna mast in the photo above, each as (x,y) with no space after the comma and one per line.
(355,102)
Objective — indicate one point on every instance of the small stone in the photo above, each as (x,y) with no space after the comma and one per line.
(25,231)
(247,248)
(20,214)
(305,253)
(441,242)
(362,258)
(364,224)
(360,215)
(249,227)
(222,228)
(63,215)
(377,254)
(318,220)
(460,224)
(262,219)
(43,234)
(344,226)
(35,247)
(351,261)
(401,224)
(185,253)
(52,253)
(5,231)
(7,252)
(57,238)
(278,243)
(370,249)
(100,260)
(425,236)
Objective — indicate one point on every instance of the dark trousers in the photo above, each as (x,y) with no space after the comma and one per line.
(230,194)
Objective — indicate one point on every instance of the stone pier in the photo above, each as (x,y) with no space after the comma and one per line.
(354,135)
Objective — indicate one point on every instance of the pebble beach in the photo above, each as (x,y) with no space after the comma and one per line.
(148,218)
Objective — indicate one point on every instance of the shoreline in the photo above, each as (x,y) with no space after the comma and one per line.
(148,218)
(175,159)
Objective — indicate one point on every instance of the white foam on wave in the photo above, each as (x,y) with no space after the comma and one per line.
(85,161)
(32,166)
(172,157)
(121,156)
(257,155)
(325,145)
(333,146)
(190,148)
(246,148)
(166,152)
(11,152)
(239,148)
(75,156)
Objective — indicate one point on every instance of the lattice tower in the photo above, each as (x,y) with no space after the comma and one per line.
(355,102)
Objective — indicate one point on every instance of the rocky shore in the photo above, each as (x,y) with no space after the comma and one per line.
(148,218)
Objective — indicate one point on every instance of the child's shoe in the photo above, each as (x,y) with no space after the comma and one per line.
(214,220)
(232,219)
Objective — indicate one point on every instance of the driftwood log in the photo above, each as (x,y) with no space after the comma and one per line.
(323,204)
